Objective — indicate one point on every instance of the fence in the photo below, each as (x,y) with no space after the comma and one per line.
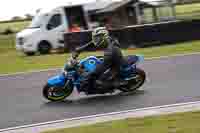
(143,35)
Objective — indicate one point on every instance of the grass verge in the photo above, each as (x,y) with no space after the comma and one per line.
(12,61)
(15,26)
(175,123)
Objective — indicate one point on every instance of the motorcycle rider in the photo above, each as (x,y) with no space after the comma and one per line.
(113,57)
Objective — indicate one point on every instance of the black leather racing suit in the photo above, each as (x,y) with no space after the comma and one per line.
(113,59)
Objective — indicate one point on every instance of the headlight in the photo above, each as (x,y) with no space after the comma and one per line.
(20,40)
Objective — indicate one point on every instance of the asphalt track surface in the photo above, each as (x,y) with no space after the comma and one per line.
(170,80)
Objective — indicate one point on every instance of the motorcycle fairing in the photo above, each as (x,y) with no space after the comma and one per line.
(58,81)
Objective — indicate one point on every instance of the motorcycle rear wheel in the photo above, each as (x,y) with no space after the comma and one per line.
(135,83)
(56,94)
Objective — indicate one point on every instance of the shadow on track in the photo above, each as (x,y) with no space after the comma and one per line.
(90,101)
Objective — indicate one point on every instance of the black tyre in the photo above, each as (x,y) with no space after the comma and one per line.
(30,53)
(56,94)
(136,82)
(44,47)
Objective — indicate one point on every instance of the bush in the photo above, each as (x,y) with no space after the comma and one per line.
(8,31)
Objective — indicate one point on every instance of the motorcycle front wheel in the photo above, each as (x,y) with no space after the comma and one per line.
(56,93)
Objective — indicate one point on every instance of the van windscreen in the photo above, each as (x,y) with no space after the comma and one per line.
(37,21)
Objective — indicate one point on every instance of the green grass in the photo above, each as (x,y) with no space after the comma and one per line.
(7,43)
(187,11)
(148,15)
(188,8)
(15,26)
(175,123)
(12,61)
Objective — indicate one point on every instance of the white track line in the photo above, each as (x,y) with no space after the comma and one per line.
(53,69)
(166,110)
(23,73)
(175,55)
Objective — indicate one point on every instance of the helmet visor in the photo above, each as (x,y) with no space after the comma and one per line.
(97,39)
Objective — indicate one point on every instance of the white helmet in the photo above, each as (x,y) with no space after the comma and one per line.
(99,35)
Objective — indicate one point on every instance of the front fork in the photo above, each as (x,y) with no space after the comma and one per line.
(72,83)
(66,84)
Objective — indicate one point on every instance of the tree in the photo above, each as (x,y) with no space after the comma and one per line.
(16,18)
(28,16)
(38,10)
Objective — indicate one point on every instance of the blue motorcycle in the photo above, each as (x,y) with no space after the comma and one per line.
(73,75)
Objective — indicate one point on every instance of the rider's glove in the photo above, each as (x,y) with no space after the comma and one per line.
(73,61)
(75,55)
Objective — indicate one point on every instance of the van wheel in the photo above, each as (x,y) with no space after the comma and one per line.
(44,47)
(30,53)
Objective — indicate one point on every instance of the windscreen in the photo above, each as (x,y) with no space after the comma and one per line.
(37,21)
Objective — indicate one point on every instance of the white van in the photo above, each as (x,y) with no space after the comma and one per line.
(46,29)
